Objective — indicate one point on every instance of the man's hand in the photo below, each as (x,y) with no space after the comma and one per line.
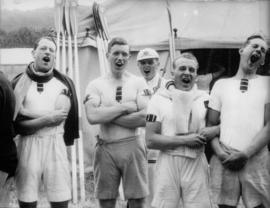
(195,140)
(236,161)
(56,117)
(129,107)
(209,132)
(222,156)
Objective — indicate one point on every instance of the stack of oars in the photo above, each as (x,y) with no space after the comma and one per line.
(102,36)
(67,29)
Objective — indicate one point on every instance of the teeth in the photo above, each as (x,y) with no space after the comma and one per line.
(46,59)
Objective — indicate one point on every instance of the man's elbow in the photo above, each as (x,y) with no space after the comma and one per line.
(150,143)
(92,120)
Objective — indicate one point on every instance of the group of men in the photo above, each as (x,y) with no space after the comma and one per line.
(178,118)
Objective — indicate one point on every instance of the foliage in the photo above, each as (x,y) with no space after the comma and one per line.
(23,37)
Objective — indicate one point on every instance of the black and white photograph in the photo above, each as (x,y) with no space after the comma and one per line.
(134,104)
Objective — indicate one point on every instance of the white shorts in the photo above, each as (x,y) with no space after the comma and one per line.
(252,183)
(182,182)
(43,158)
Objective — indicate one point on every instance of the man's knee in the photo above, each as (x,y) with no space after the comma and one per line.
(137,203)
(28,204)
(107,203)
(62,204)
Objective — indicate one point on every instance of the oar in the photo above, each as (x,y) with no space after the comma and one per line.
(58,15)
(74,28)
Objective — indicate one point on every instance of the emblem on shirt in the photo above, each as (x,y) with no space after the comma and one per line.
(151,118)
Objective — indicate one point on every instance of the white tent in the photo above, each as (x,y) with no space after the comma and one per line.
(200,23)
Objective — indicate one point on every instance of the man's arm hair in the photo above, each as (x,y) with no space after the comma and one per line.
(102,114)
(132,120)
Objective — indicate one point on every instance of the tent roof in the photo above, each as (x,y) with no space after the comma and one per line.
(200,23)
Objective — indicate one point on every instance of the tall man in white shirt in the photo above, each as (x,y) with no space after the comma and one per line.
(240,166)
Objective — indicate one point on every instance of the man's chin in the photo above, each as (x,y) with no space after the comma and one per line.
(187,86)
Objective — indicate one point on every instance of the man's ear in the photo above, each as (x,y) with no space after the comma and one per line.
(241,50)
(33,53)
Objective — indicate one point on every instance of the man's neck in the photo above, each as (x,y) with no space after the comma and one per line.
(180,87)
(242,74)
(37,70)
(117,76)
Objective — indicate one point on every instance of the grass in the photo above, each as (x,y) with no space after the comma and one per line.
(90,201)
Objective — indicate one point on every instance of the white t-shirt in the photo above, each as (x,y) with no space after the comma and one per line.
(161,108)
(44,101)
(156,83)
(241,113)
(102,91)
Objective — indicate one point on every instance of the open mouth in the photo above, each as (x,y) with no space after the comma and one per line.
(254,58)
(146,72)
(119,63)
(186,80)
(46,59)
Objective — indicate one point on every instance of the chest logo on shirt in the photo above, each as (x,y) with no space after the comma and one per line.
(118,94)
(244,85)
(40,87)
(151,118)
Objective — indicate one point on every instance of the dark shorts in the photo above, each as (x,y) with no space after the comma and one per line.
(126,160)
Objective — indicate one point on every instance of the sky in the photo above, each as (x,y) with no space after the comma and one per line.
(25,5)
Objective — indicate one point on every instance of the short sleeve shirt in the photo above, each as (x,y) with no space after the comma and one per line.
(241,112)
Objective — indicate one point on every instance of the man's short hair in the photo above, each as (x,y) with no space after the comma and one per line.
(44,37)
(116,41)
(254,36)
(186,55)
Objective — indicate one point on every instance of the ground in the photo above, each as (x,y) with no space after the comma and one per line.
(90,201)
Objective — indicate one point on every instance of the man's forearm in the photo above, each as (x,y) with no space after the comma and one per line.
(132,120)
(162,142)
(28,127)
(216,146)
(103,114)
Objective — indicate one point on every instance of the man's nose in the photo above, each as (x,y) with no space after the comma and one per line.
(120,56)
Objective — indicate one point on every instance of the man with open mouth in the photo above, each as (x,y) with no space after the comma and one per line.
(148,64)
(176,126)
(241,104)
(46,117)
(116,102)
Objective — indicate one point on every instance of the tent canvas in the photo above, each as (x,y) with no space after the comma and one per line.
(200,23)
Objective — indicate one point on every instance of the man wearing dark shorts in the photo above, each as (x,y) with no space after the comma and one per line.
(116,101)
